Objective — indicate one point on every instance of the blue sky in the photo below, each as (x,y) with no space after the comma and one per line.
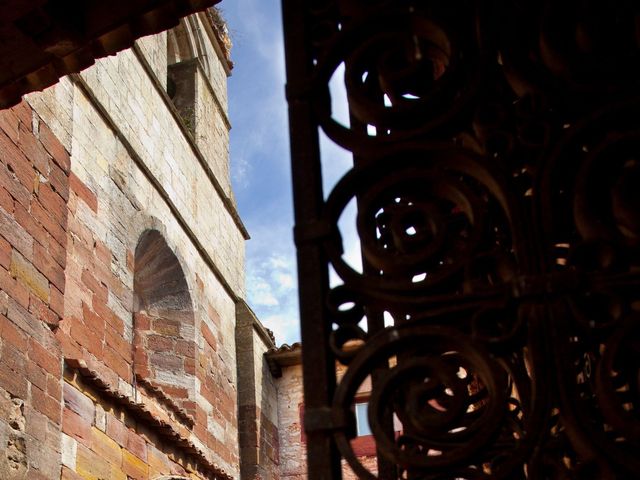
(260,161)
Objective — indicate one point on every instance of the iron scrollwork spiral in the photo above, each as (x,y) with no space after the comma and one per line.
(496,172)
(454,405)
(421,219)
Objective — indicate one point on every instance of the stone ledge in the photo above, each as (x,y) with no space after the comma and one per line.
(140,411)
(162,398)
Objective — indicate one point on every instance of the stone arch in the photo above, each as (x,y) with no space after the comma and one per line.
(185,53)
(164,321)
(181,45)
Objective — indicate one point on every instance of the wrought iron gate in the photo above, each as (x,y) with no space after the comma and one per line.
(496,171)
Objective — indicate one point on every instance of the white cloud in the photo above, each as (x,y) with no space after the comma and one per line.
(261,293)
(271,275)
(279,261)
(284,326)
(284,280)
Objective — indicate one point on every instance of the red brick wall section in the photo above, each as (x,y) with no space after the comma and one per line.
(34,191)
(92,331)
(216,389)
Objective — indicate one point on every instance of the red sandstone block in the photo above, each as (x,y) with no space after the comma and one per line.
(164,326)
(167,362)
(136,445)
(140,354)
(142,369)
(44,358)
(208,394)
(13,335)
(26,220)
(186,349)
(36,423)
(142,321)
(20,293)
(14,382)
(15,234)
(54,147)
(24,113)
(69,474)
(45,404)
(83,192)
(103,253)
(70,348)
(25,272)
(120,344)
(5,253)
(117,430)
(91,319)
(78,402)
(107,315)
(9,123)
(75,426)
(16,162)
(175,392)
(12,358)
(36,375)
(209,337)
(201,416)
(18,191)
(98,288)
(200,430)
(56,301)
(87,338)
(189,407)
(115,361)
(50,225)
(59,180)
(53,203)
(6,200)
(160,343)
(54,387)
(190,366)
(57,251)
(42,311)
(32,148)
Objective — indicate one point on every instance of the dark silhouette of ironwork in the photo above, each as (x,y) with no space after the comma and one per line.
(496,171)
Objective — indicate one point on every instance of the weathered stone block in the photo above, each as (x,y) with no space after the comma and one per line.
(105,447)
(134,467)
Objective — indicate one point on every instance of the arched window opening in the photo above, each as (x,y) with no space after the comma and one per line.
(164,323)
(182,52)
(180,46)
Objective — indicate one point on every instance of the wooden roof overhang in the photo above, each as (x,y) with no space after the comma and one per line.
(43,40)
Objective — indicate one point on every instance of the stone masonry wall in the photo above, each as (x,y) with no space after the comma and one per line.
(257,401)
(34,189)
(86,168)
(293,452)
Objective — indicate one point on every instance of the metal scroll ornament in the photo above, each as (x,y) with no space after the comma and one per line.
(496,173)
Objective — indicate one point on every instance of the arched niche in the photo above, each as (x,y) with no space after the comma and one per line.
(164,321)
